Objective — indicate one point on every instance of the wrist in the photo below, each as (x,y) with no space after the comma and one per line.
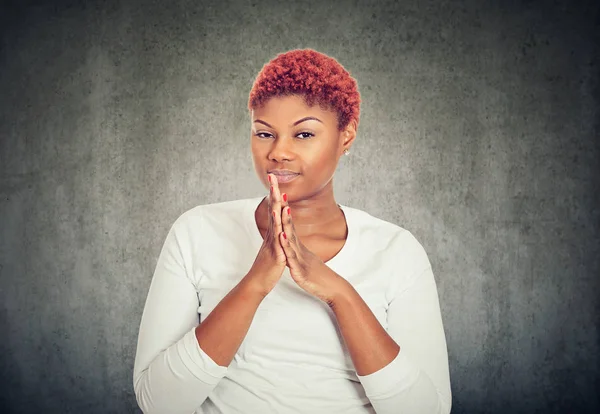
(253,288)
(342,293)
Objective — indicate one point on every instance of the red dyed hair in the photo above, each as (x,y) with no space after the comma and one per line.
(317,77)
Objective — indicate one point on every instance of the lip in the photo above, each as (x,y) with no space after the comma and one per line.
(281,172)
(285,178)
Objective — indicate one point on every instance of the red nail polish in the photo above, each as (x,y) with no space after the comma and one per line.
(289,213)
(269,177)
(285,197)
(284,236)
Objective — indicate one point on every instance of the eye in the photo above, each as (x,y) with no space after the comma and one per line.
(260,134)
(306,135)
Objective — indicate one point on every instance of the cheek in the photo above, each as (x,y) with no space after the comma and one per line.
(257,154)
(256,162)
(253,149)
(322,160)
(259,169)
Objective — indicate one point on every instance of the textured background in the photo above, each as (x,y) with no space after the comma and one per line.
(478,132)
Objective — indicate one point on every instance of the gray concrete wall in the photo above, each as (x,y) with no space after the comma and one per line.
(478,132)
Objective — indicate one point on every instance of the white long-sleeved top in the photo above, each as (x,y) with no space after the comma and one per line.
(293,358)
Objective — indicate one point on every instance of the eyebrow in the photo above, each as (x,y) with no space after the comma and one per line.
(307,118)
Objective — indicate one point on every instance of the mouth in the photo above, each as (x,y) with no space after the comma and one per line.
(285,178)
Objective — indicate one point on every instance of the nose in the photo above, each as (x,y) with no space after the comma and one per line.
(281,149)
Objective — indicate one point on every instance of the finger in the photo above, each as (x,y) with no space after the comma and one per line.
(275,206)
(284,202)
(287,224)
(270,219)
(284,206)
(270,197)
(288,248)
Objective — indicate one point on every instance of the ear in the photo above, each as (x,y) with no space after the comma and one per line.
(349,134)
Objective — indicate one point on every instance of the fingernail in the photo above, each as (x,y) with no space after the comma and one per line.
(273,214)
(284,236)
(271,189)
(284,197)
(289,212)
(269,177)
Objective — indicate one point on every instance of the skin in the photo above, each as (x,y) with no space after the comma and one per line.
(318,223)
(316,216)
(283,145)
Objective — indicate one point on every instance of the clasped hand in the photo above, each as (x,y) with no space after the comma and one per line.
(306,268)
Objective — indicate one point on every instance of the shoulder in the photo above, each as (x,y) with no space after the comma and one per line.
(377,228)
(222,207)
(224,215)
(212,210)
(399,243)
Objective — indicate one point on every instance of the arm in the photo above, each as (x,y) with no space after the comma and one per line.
(222,332)
(178,362)
(406,368)
(370,346)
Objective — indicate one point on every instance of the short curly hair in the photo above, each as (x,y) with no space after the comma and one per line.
(317,77)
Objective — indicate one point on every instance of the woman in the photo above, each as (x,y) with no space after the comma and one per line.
(292,302)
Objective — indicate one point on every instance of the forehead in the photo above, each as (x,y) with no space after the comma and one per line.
(287,109)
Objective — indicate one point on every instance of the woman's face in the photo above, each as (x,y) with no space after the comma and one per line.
(288,134)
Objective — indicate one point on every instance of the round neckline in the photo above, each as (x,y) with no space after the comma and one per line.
(252,229)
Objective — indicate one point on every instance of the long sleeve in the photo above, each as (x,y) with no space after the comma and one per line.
(172,374)
(417,380)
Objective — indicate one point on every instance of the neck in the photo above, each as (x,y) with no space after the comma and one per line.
(311,215)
